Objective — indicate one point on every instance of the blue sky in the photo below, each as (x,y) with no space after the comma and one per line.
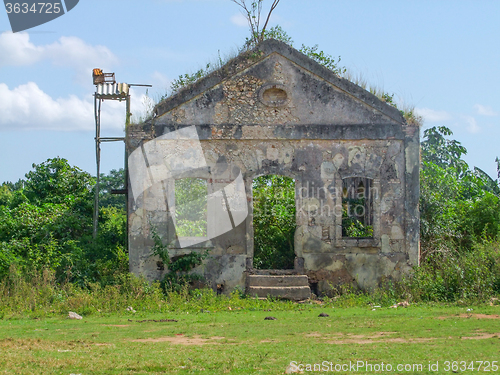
(441,57)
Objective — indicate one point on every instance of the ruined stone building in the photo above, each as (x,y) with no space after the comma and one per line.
(275,111)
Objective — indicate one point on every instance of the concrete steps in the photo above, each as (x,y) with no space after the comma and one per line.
(293,287)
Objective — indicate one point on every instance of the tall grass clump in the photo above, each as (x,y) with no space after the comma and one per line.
(39,294)
(207,300)
(448,276)
(452,276)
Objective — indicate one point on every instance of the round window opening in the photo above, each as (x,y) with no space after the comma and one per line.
(274,96)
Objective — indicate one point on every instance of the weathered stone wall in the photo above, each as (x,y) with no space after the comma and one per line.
(281,113)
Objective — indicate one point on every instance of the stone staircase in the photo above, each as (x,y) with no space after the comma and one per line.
(293,287)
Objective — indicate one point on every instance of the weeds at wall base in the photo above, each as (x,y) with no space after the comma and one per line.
(111,300)
(469,279)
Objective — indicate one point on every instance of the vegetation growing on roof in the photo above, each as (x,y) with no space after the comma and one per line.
(327,60)
(189,78)
(277,33)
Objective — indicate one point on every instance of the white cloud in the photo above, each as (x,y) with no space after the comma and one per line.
(472,127)
(83,57)
(431,115)
(485,110)
(28,107)
(16,49)
(239,20)
(160,80)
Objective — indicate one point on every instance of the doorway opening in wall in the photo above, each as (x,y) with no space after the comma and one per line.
(274,222)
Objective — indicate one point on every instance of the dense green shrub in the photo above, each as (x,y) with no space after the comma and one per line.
(179,268)
(456,210)
(46,223)
(456,276)
(114,180)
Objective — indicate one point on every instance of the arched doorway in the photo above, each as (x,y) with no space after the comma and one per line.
(273,222)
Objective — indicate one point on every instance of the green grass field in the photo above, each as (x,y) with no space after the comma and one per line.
(241,341)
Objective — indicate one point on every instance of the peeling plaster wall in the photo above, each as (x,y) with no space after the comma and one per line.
(320,132)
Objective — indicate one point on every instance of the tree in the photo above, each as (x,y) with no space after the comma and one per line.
(490,184)
(55,181)
(253,14)
(115,180)
(442,152)
(458,207)
(5,195)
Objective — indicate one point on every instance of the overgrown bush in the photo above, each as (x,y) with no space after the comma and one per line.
(179,268)
(456,210)
(46,223)
(452,276)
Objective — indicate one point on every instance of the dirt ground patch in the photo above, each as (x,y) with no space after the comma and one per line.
(380,337)
(482,336)
(369,340)
(377,337)
(314,334)
(350,336)
(156,321)
(468,316)
(182,340)
(116,325)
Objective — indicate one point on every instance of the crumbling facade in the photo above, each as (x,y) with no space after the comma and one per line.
(273,110)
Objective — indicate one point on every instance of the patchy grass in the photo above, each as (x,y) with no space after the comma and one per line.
(241,341)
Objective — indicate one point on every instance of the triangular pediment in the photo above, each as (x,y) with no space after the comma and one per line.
(275,84)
